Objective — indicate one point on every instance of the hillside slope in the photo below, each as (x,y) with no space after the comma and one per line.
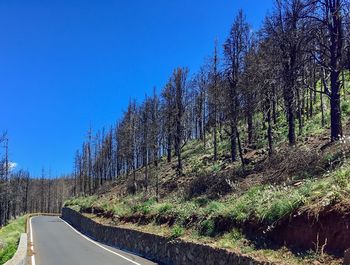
(290,199)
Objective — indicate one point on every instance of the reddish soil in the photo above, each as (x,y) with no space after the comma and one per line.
(328,230)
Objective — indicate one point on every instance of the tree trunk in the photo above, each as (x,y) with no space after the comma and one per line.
(169,148)
(215,142)
(240,149)
(336,124)
(300,116)
(274,103)
(250,127)
(323,122)
(233,143)
(269,132)
(343,85)
(291,124)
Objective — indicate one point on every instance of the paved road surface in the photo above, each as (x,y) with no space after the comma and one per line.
(56,243)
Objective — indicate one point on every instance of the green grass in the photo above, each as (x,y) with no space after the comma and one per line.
(9,238)
(81,203)
(262,204)
(176,232)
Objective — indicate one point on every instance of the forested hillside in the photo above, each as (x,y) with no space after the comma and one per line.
(257,136)
(264,88)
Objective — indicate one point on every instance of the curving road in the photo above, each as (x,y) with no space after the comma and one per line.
(57,243)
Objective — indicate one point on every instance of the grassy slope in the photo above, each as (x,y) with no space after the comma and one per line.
(9,237)
(263,204)
(269,190)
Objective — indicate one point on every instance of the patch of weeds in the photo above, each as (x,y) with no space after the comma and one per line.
(164,208)
(185,210)
(145,207)
(328,158)
(120,209)
(341,178)
(280,207)
(201,201)
(76,208)
(345,108)
(232,239)
(84,202)
(7,253)
(9,236)
(207,228)
(214,208)
(216,167)
(247,249)
(266,204)
(176,232)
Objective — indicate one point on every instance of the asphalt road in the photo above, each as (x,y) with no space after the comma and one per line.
(56,243)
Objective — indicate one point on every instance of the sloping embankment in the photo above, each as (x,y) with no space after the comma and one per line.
(155,247)
(328,230)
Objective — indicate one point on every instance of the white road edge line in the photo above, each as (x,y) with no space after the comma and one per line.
(99,245)
(31,241)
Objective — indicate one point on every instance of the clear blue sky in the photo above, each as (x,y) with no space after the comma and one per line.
(67,64)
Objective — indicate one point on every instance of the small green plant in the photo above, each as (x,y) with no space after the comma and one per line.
(164,208)
(215,208)
(145,207)
(236,234)
(216,167)
(176,232)
(207,228)
(341,178)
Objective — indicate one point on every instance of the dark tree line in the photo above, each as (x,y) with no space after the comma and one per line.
(20,193)
(298,56)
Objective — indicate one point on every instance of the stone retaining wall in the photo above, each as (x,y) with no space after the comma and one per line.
(20,257)
(154,247)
